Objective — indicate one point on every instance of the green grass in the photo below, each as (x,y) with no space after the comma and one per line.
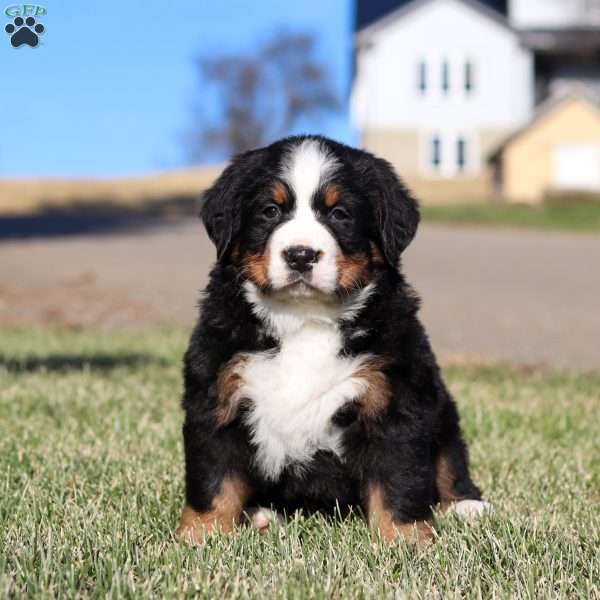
(91,489)
(568,216)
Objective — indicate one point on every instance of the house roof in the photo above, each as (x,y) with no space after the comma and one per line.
(544,109)
(407,8)
(369,11)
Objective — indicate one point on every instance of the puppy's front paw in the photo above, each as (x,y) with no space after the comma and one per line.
(195,526)
(419,533)
(381,520)
(190,535)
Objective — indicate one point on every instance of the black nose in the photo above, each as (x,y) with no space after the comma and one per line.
(300,258)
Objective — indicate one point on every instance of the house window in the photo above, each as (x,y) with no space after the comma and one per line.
(422,77)
(469,83)
(461,154)
(436,152)
(445,77)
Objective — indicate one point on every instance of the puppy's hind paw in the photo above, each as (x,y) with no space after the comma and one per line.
(261,518)
(471,510)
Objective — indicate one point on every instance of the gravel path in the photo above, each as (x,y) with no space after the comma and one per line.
(525,297)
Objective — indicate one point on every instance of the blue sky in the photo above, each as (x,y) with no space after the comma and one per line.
(110,89)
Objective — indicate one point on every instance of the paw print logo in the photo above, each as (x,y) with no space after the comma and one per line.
(24,32)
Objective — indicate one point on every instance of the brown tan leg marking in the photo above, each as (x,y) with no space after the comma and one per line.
(380,519)
(227,507)
(445,479)
(229,382)
(377,397)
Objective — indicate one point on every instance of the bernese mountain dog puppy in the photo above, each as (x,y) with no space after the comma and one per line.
(309,380)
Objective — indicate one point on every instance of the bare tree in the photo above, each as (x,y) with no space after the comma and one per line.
(260,96)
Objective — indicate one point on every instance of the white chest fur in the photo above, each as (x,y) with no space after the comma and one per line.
(295,391)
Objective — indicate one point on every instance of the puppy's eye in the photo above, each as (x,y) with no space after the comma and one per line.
(339,214)
(271,212)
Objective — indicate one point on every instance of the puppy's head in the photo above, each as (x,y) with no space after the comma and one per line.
(308,216)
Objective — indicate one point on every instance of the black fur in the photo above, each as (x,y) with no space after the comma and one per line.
(398,449)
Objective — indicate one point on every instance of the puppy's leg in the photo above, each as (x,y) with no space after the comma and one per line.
(225,511)
(454,488)
(398,492)
(455,491)
(216,489)
(390,523)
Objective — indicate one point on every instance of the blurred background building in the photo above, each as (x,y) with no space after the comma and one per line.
(445,89)
(457,94)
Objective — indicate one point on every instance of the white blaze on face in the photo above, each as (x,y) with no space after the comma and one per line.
(305,170)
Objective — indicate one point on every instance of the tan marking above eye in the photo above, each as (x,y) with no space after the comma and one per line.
(280,193)
(331,195)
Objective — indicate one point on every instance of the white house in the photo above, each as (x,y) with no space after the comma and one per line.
(439,84)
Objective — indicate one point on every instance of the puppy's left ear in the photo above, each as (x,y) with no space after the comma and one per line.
(395,210)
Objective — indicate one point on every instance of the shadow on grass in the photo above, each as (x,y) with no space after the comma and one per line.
(96,217)
(77,362)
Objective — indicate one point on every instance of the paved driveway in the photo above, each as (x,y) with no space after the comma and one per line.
(525,297)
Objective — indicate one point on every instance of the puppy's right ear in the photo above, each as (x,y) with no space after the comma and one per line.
(222,203)
(219,212)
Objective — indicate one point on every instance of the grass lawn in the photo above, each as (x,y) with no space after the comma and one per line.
(91,488)
(573,216)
